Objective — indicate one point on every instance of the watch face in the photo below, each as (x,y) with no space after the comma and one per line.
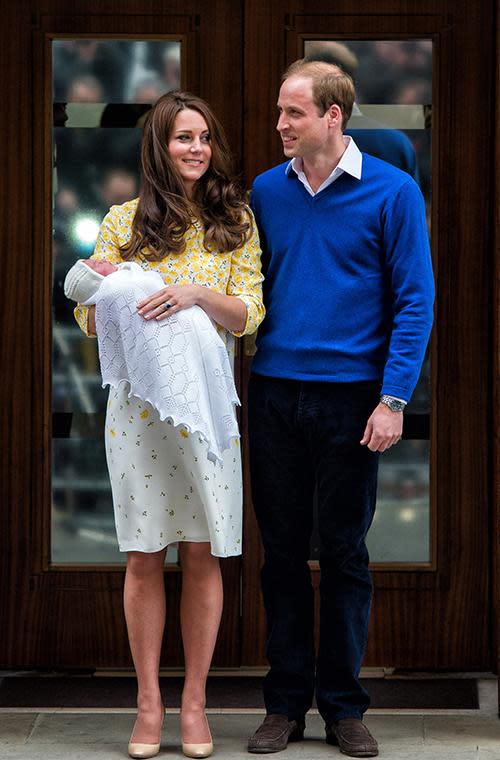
(396,406)
(393,404)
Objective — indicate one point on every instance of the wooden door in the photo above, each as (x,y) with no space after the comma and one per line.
(68,612)
(430,611)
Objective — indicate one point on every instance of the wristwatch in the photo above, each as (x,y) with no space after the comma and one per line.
(394,404)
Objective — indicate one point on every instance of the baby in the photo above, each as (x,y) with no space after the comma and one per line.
(179,365)
(84,278)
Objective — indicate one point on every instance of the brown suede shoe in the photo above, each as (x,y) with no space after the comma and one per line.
(275,733)
(352,737)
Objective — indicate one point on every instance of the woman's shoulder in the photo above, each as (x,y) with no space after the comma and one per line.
(119,218)
(123,210)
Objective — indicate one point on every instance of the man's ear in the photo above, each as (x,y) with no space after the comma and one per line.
(334,115)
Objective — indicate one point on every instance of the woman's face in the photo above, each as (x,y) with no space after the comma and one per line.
(189,147)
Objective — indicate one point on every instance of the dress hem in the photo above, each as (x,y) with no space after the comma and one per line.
(131,548)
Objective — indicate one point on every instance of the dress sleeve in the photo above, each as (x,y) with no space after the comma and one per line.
(245,280)
(107,248)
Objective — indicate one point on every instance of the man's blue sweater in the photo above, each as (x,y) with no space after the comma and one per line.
(349,287)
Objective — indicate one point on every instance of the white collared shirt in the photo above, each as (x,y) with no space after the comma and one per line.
(350,162)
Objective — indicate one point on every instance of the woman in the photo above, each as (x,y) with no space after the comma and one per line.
(191,225)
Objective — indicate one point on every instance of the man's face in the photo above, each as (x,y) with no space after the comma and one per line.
(303,131)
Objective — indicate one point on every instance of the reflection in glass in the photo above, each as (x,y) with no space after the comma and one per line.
(114,71)
(400,529)
(391,120)
(385,71)
(102,91)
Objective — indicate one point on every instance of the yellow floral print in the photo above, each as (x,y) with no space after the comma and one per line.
(236,273)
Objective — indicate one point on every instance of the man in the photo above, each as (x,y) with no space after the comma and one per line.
(349,294)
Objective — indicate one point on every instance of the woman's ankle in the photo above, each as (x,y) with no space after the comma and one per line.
(149,701)
(194,725)
(193,704)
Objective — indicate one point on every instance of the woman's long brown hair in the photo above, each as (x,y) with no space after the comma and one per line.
(164,212)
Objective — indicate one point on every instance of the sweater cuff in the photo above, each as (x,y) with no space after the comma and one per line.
(397,391)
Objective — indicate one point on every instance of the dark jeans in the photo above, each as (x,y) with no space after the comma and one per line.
(303,436)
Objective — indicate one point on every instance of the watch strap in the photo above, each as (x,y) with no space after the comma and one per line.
(394,404)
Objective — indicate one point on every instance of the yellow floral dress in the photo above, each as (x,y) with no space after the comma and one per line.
(164,487)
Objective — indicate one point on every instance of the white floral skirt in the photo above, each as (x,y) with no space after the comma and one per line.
(164,488)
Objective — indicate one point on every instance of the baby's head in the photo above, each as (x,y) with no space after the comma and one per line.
(84,278)
(101,267)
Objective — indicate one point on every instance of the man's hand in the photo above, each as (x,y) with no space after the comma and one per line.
(383,429)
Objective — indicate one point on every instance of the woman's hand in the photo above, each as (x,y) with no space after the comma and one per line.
(228,311)
(169,300)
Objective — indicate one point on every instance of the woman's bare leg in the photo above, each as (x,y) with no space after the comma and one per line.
(201,609)
(144,602)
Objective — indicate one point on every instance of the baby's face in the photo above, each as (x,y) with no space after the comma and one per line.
(101,267)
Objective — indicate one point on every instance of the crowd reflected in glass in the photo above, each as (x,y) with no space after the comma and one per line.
(114,71)
(392,120)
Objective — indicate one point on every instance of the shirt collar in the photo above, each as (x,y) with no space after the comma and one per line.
(350,162)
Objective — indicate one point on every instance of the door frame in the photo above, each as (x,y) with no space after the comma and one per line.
(495,349)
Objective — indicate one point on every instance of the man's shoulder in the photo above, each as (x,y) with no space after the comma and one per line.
(376,169)
(271,176)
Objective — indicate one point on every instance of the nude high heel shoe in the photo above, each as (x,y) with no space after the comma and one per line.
(204,749)
(141,750)
(136,749)
(197,750)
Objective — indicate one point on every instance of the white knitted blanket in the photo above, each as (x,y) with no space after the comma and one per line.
(179,364)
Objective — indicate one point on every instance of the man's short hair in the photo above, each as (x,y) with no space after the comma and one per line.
(330,85)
